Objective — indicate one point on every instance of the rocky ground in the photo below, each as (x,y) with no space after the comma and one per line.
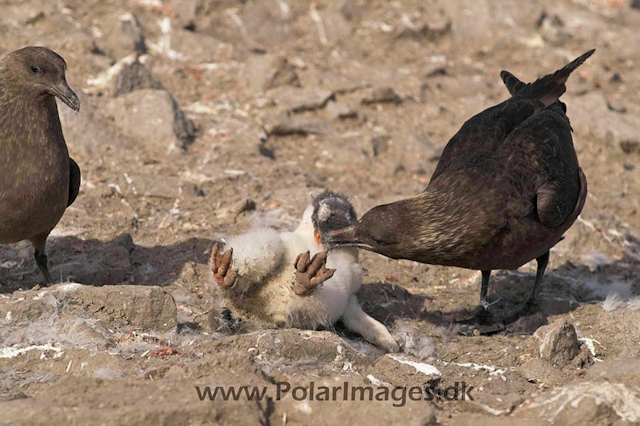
(192,108)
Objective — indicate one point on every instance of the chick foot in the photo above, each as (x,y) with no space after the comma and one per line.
(310,272)
(220,267)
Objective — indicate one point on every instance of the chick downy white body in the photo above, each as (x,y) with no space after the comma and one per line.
(264,292)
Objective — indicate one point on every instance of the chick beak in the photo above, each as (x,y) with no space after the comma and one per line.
(63,92)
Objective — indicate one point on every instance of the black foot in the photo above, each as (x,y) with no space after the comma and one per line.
(531,316)
(481,323)
(41,261)
(480,330)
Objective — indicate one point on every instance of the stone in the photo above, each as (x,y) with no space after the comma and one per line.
(381,95)
(340,111)
(289,126)
(435,70)
(336,26)
(630,146)
(308,99)
(559,342)
(89,134)
(130,306)
(427,32)
(540,371)
(528,324)
(109,263)
(127,75)
(34,18)
(152,117)
(625,370)
(131,27)
(380,144)
(264,72)
(586,403)
(266,151)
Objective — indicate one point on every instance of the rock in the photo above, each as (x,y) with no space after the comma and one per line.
(264,72)
(34,18)
(625,370)
(608,394)
(89,133)
(427,32)
(191,189)
(243,206)
(630,146)
(528,324)
(381,95)
(127,75)
(540,371)
(289,126)
(68,305)
(132,28)
(110,263)
(266,151)
(130,306)
(559,342)
(380,144)
(151,116)
(341,84)
(617,107)
(340,110)
(435,70)
(586,403)
(299,100)
(615,78)
(336,26)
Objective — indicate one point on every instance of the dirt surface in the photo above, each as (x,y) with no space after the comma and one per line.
(191,108)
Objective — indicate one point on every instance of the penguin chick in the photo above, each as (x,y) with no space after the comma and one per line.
(288,279)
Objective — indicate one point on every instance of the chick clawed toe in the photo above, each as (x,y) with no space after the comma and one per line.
(220,267)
